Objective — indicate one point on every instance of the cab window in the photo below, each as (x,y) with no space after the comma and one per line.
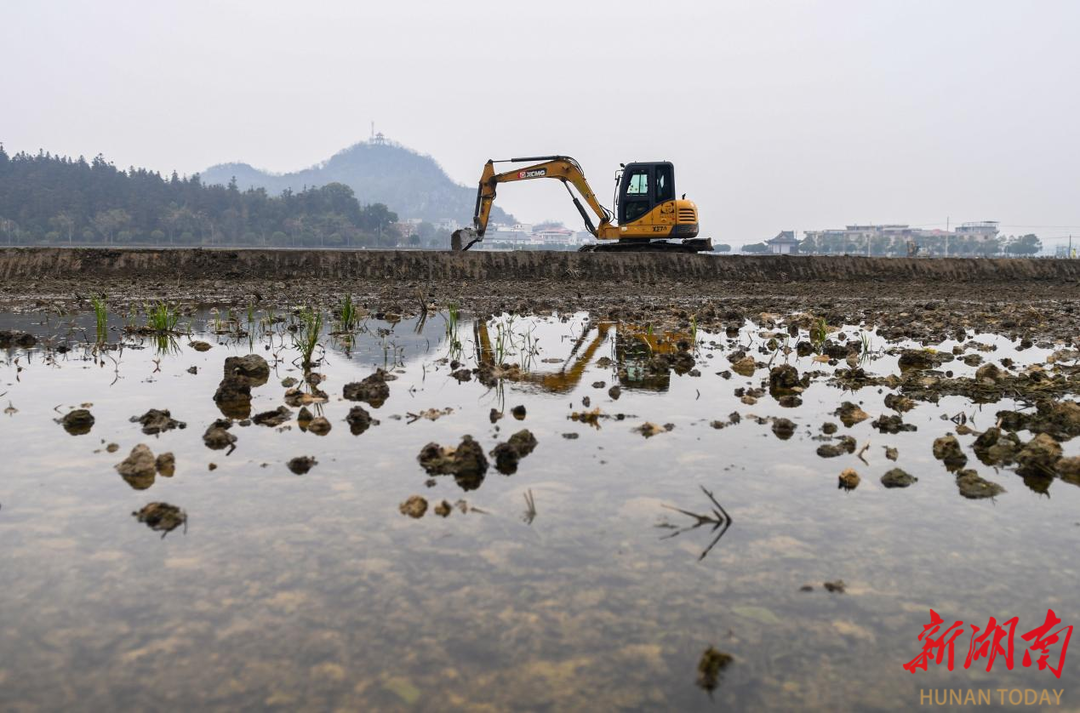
(665,185)
(639,184)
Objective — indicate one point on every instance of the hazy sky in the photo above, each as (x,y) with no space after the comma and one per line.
(777,115)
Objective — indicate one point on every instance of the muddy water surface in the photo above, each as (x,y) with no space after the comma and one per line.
(311,592)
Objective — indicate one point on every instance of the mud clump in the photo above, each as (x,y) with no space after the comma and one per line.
(837,587)
(444,508)
(784,380)
(414,507)
(783,428)
(615,392)
(139,468)
(199,346)
(165,465)
(650,429)
(507,455)
(466,463)
(947,450)
(372,390)
(161,517)
(319,426)
(744,366)
(233,397)
(710,668)
(301,464)
(680,362)
(996,447)
(1039,456)
(274,418)
(845,445)
(850,414)
(973,487)
(1069,469)
(988,373)
(897,478)
(359,420)
(892,424)
(9,338)
(849,479)
(78,422)
(918,359)
(217,436)
(518,412)
(251,368)
(157,421)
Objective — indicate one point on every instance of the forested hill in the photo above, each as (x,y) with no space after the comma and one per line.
(378,171)
(46,199)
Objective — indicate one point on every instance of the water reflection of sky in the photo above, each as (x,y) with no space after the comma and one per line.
(313,591)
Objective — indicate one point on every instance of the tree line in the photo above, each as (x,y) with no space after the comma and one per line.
(54,200)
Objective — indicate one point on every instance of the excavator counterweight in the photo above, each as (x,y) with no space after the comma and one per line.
(647,215)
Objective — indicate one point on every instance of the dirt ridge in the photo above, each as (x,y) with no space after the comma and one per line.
(222,263)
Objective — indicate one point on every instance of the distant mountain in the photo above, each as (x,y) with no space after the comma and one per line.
(378,171)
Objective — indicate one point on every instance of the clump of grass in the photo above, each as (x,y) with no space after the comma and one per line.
(348,315)
(819,332)
(306,337)
(162,318)
(453,318)
(101,318)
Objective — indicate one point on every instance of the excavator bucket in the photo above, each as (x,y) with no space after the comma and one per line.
(463,239)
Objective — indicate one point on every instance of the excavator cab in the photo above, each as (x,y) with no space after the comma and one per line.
(642,187)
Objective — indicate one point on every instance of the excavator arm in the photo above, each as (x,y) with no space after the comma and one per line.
(562,168)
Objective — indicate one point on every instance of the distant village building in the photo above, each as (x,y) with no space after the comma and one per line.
(893,237)
(784,244)
(524,236)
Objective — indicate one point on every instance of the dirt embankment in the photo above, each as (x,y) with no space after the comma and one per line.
(29,264)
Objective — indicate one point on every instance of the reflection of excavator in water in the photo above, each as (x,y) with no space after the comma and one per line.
(635,348)
(647,211)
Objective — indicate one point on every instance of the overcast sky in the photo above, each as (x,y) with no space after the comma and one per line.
(777,115)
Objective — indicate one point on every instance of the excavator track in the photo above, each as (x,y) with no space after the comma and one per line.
(695,245)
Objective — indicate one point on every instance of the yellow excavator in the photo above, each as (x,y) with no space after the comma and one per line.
(647,215)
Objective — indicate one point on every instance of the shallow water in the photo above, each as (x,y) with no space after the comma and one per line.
(314,592)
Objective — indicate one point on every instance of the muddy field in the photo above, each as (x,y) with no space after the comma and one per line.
(539,482)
